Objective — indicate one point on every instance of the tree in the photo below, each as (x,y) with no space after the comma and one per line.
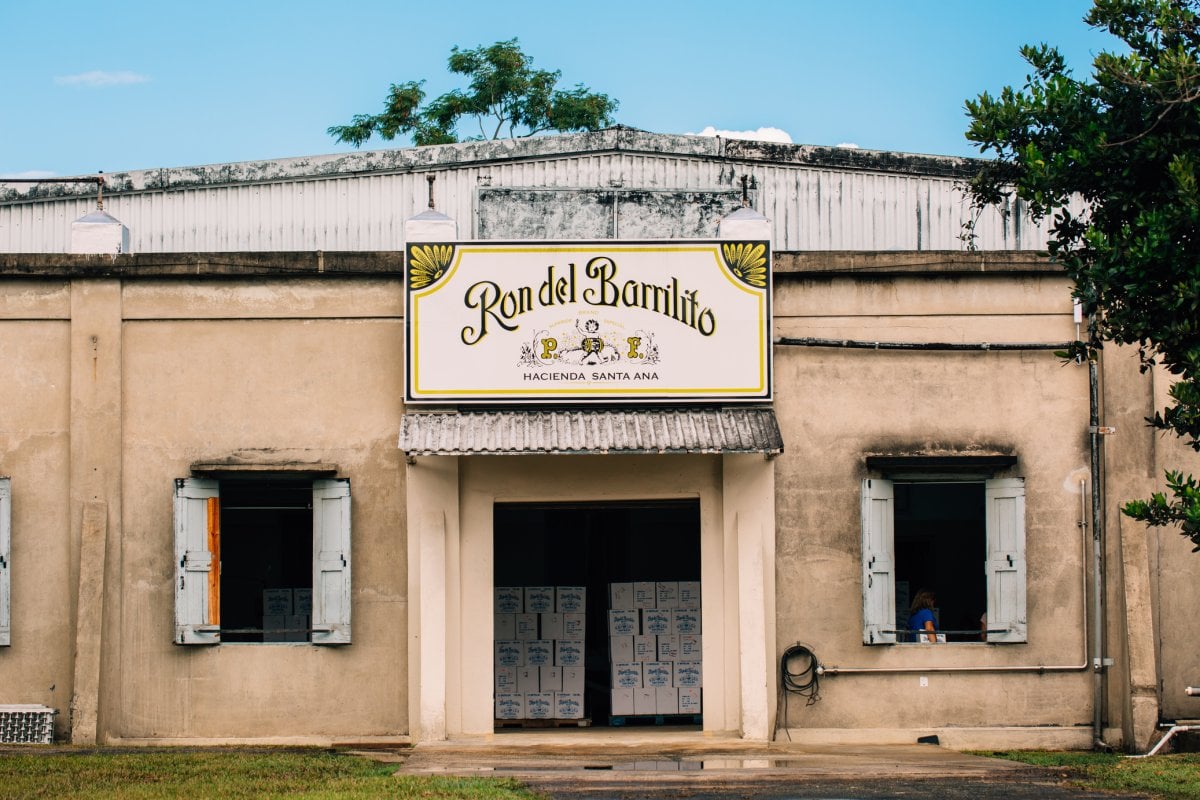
(1126,144)
(506,95)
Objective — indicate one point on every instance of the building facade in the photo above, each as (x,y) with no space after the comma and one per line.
(231,518)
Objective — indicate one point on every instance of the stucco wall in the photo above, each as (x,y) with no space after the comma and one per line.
(34,453)
(306,368)
(295,371)
(838,406)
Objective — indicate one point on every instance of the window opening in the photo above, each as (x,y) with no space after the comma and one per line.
(941,546)
(266,567)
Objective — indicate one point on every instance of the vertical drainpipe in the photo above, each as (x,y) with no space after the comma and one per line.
(1097,556)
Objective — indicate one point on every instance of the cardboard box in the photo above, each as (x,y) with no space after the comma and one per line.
(539,653)
(539,705)
(275,627)
(667,594)
(528,679)
(668,648)
(645,648)
(568,705)
(574,626)
(688,674)
(627,675)
(568,653)
(645,594)
(297,625)
(527,626)
(509,600)
(623,623)
(506,680)
(551,625)
(302,601)
(666,700)
(657,621)
(505,626)
(277,602)
(550,679)
(691,647)
(510,705)
(620,649)
(645,701)
(622,702)
(689,594)
(687,620)
(658,673)
(689,701)
(539,599)
(573,679)
(510,653)
(620,596)
(570,599)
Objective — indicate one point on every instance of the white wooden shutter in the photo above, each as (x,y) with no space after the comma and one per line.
(878,561)
(331,562)
(5,561)
(197,519)
(1005,564)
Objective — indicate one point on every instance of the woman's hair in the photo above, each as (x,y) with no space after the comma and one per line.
(924,599)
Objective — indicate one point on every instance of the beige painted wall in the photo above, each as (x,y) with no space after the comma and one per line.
(306,371)
(837,406)
(34,453)
(310,369)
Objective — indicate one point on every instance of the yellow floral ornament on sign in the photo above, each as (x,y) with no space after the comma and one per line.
(748,261)
(427,263)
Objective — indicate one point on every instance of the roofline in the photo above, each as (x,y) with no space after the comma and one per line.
(421,159)
(389,264)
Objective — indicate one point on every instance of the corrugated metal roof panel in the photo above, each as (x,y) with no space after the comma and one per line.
(464,433)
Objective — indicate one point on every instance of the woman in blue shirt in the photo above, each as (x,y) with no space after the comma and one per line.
(921,616)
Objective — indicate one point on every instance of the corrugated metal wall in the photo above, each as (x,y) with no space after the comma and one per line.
(812,208)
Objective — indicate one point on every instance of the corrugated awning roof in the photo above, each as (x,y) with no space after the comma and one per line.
(464,433)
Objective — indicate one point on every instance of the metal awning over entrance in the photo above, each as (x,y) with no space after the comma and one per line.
(630,431)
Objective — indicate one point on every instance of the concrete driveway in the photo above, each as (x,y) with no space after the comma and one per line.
(667,766)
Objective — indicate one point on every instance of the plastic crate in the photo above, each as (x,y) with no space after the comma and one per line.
(26,724)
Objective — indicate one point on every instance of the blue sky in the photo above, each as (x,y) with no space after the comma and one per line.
(129,85)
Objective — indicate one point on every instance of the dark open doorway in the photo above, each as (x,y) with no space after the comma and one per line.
(594,545)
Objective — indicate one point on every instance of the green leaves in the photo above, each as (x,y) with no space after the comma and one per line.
(1182,507)
(505,96)
(1113,161)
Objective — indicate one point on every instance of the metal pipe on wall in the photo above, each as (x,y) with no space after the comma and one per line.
(1098,661)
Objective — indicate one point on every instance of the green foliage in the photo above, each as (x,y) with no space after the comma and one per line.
(1176,777)
(505,95)
(1113,161)
(229,773)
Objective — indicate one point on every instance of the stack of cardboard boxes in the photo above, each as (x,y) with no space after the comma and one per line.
(654,647)
(539,652)
(286,613)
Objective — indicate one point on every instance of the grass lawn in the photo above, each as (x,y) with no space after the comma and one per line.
(232,773)
(1176,777)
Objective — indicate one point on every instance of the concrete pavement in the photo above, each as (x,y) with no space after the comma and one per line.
(613,764)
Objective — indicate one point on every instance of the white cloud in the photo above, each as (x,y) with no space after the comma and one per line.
(29,173)
(97,78)
(759,135)
(847,145)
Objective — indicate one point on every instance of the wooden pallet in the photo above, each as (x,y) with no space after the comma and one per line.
(544,723)
(657,719)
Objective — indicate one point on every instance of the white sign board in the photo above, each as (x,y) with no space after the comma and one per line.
(671,321)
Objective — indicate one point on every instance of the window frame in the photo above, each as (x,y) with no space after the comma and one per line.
(197,552)
(1004,562)
(5,562)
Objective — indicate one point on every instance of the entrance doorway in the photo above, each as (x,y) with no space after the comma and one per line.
(557,546)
